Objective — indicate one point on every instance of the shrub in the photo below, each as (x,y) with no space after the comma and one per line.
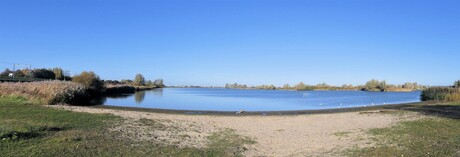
(441,94)
(90,80)
(49,92)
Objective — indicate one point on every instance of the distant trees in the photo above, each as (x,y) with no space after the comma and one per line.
(236,86)
(43,74)
(159,83)
(266,87)
(373,85)
(322,86)
(348,86)
(6,72)
(287,86)
(19,73)
(300,86)
(139,80)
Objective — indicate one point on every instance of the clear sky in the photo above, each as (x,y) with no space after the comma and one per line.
(213,42)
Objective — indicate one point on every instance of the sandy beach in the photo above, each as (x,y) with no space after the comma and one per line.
(283,135)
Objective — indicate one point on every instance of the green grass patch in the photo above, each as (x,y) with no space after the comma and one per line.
(29,129)
(425,137)
(227,143)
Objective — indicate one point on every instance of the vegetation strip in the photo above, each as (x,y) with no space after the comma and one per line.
(30,129)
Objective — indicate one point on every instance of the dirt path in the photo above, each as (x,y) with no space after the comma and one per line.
(300,135)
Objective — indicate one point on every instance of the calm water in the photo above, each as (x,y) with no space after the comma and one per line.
(256,100)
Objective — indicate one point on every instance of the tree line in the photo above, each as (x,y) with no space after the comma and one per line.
(88,78)
(42,73)
(372,85)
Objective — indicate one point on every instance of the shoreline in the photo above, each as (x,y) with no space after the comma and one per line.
(264,113)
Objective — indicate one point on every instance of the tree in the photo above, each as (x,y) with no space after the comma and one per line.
(286,86)
(383,85)
(19,73)
(457,84)
(300,86)
(372,85)
(90,80)
(43,74)
(149,83)
(159,83)
(27,73)
(58,73)
(139,80)
(408,85)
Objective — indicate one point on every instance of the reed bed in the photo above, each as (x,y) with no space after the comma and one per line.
(48,92)
(441,94)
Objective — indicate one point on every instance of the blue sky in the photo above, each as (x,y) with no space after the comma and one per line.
(204,42)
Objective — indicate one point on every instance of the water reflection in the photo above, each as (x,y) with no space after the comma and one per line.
(139,96)
(157,92)
(98,100)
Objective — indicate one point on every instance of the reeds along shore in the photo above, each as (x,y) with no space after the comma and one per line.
(62,92)
(441,94)
(48,92)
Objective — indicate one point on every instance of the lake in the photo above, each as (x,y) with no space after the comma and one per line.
(219,99)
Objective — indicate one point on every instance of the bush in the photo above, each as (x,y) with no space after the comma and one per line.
(90,80)
(441,94)
(49,92)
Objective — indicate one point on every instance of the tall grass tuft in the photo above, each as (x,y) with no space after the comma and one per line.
(441,94)
(48,92)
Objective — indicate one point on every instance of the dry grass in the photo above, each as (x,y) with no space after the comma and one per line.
(49,92)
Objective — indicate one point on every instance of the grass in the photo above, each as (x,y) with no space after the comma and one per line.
(436,135)
(29,129)
(229,142)
(341,134)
